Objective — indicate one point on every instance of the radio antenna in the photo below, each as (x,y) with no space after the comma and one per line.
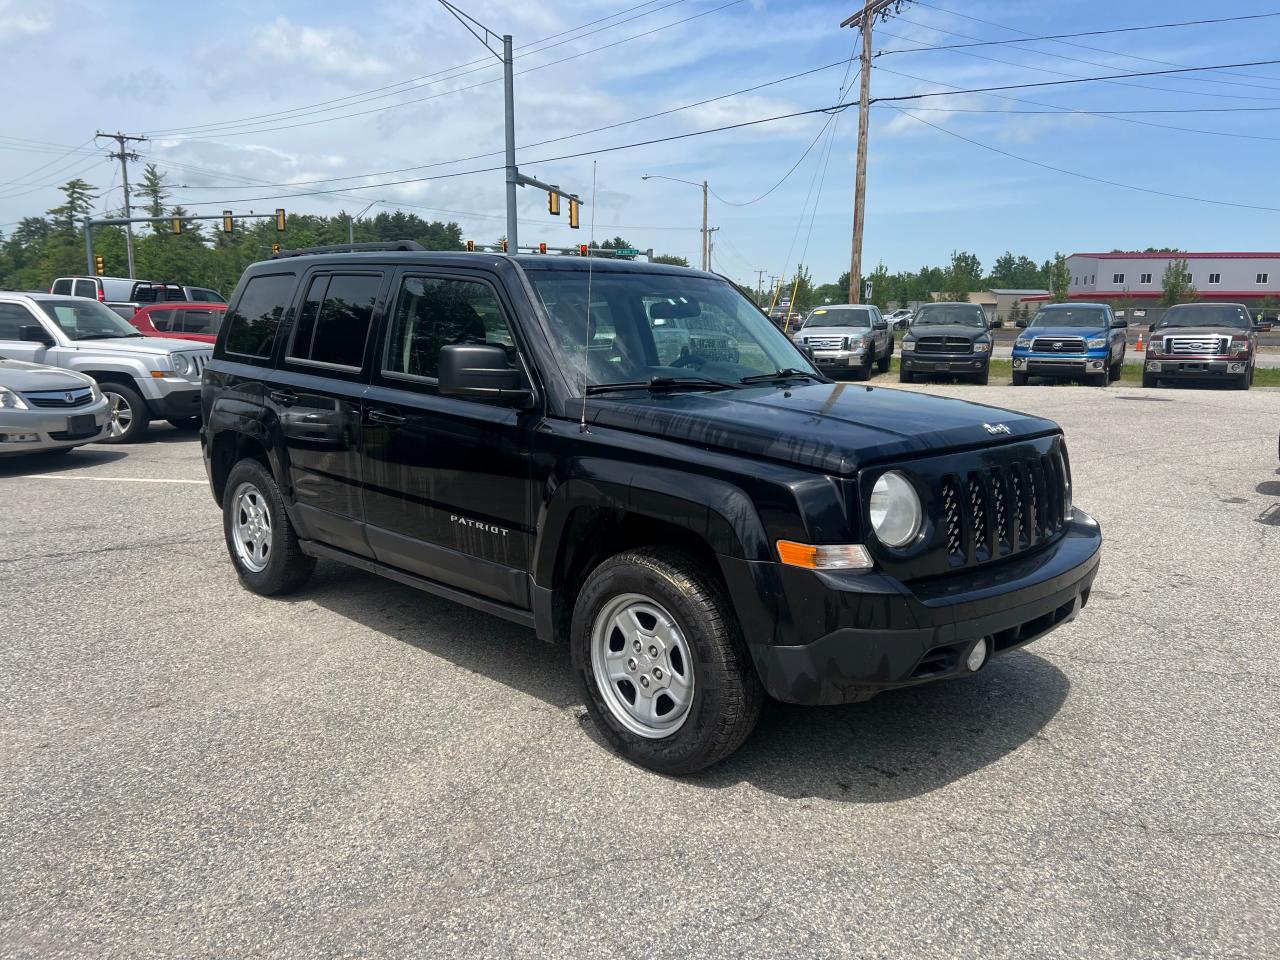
(586,347)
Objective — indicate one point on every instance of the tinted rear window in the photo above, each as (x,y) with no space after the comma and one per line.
(253,324)
(62,287)
(333,324)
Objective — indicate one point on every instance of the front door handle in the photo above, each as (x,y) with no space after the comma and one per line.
(386,416)
(286,398)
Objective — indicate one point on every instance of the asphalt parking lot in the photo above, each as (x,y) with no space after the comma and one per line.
(363,770)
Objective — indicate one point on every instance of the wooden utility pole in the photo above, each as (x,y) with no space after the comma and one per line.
(124,156)
(863,20)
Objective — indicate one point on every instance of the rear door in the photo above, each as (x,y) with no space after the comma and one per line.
(316,393)
(447,481)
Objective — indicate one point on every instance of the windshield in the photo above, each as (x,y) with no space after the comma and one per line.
(1092,318)
(82,319)
(1206,315)
(858,317)
(950,314)
(658,325)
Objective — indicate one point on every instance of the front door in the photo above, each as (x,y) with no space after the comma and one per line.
(447,481)
(15,316)
(316,394)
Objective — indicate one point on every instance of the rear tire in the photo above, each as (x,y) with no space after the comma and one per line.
(126,411)
(883,363)
(1019,378)
(665,600)
(263,545)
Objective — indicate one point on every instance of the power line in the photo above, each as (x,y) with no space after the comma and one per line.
(1095,63)
(542,143)
(234,131)
(414,80)
(45,166)
(906,111)
(1084,33)
(1080,46)
(1119,115)
(1056,83)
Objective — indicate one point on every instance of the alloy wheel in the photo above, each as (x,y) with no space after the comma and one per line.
(251,527)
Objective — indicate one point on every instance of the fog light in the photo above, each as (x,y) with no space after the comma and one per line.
(1096,364)
(1153,366)
(1018,363)
(977,656)
(19,437)
(1237,368)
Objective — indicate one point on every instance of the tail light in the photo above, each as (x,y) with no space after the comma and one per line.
(102,294)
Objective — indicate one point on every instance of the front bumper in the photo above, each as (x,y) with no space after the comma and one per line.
(1055,365)
(1197,368)
(843,637)
(913,362)
(42,429)
(174,400)
(838,358)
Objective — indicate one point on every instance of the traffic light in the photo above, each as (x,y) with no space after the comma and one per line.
(573,213)
(275,248)
(227,224)
(280,219)
(553,203)
(582,250)
(542,248)
(99,265)
(504,244)
(176,224)
(471,246)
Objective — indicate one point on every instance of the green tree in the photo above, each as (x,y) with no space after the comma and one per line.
(154,191)
(880,286)
(673,260)
(1176,283)
(964,277)
(77,206)
(1059,278)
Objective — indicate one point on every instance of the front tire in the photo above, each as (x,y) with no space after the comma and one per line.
(1150,381)
(263,545)
(661,663)
(127,413)
(982,379)
(1116,370)
(1019,378)
(905,376)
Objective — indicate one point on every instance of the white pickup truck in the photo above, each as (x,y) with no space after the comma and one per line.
(143,378)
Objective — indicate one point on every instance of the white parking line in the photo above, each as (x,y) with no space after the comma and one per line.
(49,476)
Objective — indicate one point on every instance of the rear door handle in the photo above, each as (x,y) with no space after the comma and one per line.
(286,398)
(386,416)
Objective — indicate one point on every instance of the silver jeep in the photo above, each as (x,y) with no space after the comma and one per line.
(143,378)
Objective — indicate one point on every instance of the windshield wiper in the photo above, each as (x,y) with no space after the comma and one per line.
(661,383)
(786,373)
(108,336)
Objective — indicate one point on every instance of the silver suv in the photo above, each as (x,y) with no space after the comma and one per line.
(143,378)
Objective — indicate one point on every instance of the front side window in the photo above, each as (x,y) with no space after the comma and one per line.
(198,321)
(162,320)
(644,325)
(433,312)
(86,288)
(82,319)
(334,322)
(254,322)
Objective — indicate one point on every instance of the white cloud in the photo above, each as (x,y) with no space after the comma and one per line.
(20,20)
(331,52)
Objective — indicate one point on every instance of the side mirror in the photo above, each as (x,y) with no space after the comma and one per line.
(35,334)
(480,371)
(1151,328)
(1022,323)
(1119,323)
(882,325)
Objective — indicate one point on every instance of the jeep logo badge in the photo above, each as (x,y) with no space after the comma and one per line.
(996,428)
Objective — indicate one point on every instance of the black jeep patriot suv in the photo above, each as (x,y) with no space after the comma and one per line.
(511,433)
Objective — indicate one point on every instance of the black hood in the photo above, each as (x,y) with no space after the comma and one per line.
(947,330)
(833,427)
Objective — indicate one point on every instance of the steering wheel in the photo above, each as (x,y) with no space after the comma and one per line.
(689,359)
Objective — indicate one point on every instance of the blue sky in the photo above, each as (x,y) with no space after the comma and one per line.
(164,68)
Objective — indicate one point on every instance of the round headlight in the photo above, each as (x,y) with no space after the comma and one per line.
(180,364)
(895,510)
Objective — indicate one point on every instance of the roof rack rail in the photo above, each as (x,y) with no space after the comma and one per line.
(391,245)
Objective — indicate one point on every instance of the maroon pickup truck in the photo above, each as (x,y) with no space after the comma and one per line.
(1202,341)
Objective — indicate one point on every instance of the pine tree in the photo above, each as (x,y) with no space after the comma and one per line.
(79,204)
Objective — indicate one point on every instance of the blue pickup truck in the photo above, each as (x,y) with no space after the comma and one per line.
(1071,340)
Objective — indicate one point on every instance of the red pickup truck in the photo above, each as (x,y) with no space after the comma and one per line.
(1202,341)
(180,321)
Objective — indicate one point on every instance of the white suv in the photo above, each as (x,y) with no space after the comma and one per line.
(143,378)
